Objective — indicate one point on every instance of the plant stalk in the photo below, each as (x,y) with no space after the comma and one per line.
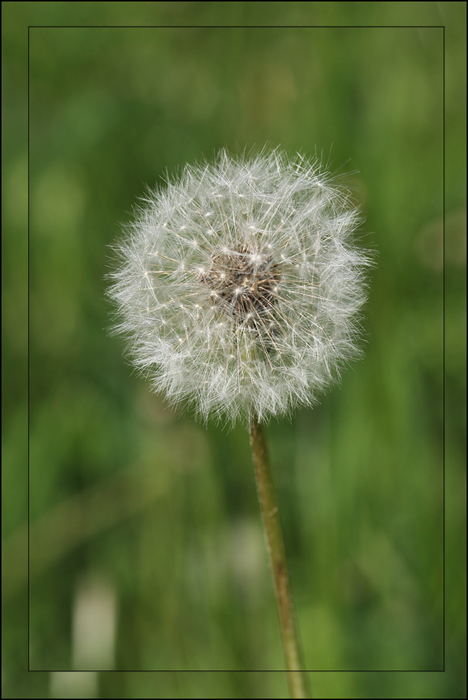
(277,554)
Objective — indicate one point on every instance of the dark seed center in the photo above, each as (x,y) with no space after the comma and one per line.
(243,282)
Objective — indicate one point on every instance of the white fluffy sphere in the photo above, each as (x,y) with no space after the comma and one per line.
(239,288)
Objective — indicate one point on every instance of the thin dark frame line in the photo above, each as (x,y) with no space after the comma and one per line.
(29,353)
(236,26)
(235,670)
(443,349)
(443,343)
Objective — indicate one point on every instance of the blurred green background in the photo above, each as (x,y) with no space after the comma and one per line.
(146,547)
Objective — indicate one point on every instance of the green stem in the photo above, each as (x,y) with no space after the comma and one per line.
(277,553)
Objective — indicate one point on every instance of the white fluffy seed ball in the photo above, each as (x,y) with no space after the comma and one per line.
(239,288)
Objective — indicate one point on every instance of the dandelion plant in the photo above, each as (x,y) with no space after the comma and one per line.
(239,290)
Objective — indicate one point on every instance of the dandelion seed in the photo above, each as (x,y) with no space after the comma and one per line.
(276,284)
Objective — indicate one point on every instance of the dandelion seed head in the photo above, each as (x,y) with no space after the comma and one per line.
(256,314)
